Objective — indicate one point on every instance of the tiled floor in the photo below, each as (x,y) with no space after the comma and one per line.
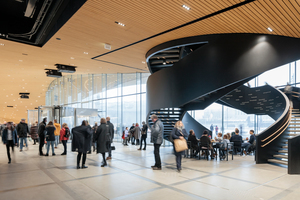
(128,176)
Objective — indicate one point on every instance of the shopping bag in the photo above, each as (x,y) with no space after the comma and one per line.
(180,145)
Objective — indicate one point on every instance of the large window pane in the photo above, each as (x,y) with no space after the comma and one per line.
(275,77)
(87,89)
(129,84)
(112,85)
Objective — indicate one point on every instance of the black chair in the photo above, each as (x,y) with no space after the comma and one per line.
(189,151)
(237,147)
(204,148)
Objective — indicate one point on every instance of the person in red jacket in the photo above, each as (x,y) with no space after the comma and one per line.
(64,136)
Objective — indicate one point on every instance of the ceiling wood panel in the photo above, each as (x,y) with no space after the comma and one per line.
(94,24)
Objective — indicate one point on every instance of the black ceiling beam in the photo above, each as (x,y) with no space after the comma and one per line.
(180,26)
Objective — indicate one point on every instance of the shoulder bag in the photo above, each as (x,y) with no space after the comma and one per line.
(180,145)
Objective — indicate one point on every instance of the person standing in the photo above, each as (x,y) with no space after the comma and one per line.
(94,129)
(57,133)
(2,127)
(126,136)
(50,137)
(34,133)
(132,139)
(144,136)
(157,131)
(179,132)
(64,136)
(10,139)
(102,137)
(81,142)
(111,131)
(42,133)
(137,133)
(22,131)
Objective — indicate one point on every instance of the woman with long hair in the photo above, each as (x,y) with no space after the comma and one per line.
(10,139)
(50,137)
(179,132)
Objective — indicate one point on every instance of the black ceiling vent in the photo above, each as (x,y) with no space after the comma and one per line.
(53,73)
(10,106)
(34,22)
(24,95)
(65,68)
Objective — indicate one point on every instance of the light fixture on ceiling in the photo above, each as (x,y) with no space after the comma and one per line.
(72,58)
(164,62)
(186,7)
(119,23)
(86,53)
(143,62)
(65,68)
(58,38)
(269,29)
(53,73)
(1,44)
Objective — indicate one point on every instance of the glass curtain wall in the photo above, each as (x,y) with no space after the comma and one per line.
(122,97)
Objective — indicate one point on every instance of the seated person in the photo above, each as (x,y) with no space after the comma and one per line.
(194,142)
(223,146)
(236,137)
(219,138)
(247,145)
(228,136)
(206,142)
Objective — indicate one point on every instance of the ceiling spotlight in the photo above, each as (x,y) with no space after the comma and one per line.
(53,73)
(269,29)
(72,58)
(119,23)
(164,63)
(65,68)
(86,53)
(143,62)
(186,7)
(1,44)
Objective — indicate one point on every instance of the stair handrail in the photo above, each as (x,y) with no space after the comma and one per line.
(282,127)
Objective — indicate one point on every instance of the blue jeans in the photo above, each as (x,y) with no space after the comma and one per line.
(56,140)
(48,146)
(22,142)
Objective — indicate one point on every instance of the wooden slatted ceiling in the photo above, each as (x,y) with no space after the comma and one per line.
(93,25)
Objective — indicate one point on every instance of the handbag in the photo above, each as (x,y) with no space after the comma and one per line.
(180,145)
(112,147)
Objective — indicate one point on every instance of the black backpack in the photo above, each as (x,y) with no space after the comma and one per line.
(67,133)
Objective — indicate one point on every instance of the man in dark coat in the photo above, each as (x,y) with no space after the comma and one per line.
(34,132)
(81,142)
(101,138)
(22,130)
(144,136)
(41,132)
(111,131)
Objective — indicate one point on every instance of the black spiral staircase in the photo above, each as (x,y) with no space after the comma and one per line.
(192,73)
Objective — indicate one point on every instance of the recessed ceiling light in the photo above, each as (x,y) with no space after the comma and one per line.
(143,62)
(164,63)
(72,58)
(58,38)
(86,53)
(21,60)
(269,29)
(119,23)
(1,44)
(186,7)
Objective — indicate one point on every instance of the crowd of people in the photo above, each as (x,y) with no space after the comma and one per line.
(100,138)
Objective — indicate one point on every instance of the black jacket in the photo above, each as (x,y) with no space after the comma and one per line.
(194,141)
(176,134)
(205,141)
(100,138)
(111,130)
(22,130)
(144,130)
(50,133)
(81,141)
(41,129)
(252,138)
(236,138)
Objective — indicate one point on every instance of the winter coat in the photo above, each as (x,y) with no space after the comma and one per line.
(157,132)
(58,128)
(14,136)
(81,141)
(101,138)
(41,129)
(111,130)
(144,130)
(50,133)
(176,134)
(22,130)
(33,132)
(136,132)
(63,133)
(94,129)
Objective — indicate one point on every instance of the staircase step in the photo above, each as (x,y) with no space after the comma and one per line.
(291,123)
(283,151)
(281,156)
(293,134)
(282,162)
(285,147)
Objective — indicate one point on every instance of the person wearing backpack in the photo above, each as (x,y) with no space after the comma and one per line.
(64,136)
